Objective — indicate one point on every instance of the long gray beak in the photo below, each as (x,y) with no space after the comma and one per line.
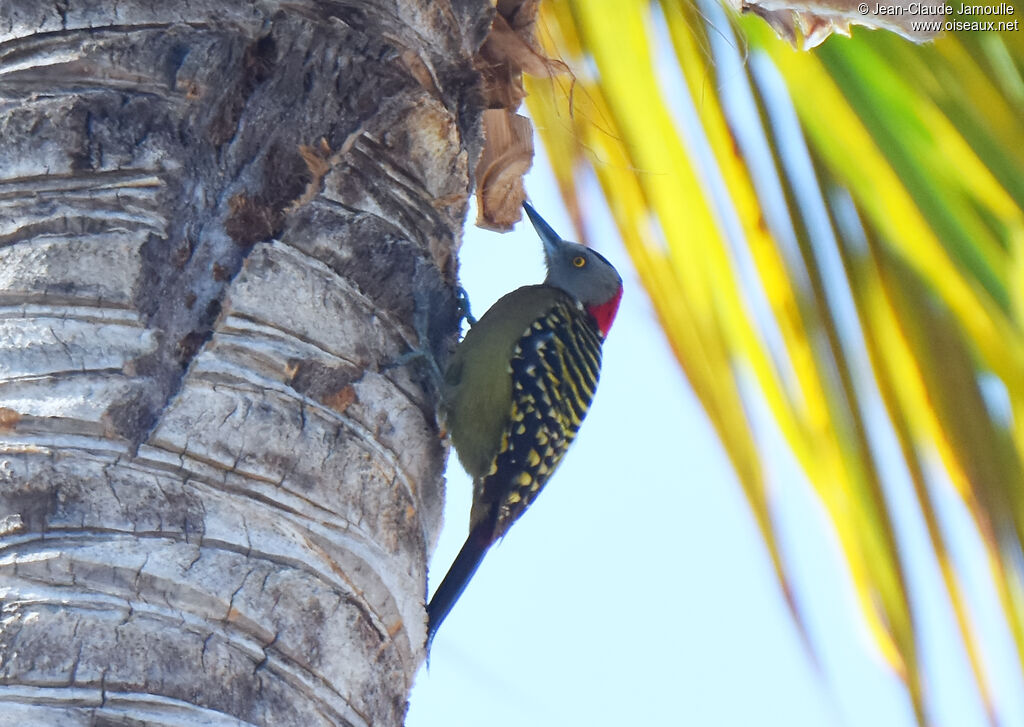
(548,236)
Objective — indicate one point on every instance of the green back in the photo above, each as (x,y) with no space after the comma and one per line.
(479,377)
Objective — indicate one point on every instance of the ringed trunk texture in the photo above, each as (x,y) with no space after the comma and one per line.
(219,223)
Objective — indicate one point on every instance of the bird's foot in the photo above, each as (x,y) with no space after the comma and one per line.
(462,299)
(419,355)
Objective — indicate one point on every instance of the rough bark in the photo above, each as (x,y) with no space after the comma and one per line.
(219,221)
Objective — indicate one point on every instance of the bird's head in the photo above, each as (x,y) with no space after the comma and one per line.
(581,272)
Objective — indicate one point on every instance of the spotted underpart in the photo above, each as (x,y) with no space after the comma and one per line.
(554,367)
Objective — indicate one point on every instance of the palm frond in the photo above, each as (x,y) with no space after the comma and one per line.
(837,237)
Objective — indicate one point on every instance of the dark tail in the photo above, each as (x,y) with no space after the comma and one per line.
(457,577)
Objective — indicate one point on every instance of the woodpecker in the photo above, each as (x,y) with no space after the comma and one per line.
(517,389)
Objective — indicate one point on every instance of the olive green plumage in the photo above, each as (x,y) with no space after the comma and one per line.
(517,389)
(478,380)
(517,392)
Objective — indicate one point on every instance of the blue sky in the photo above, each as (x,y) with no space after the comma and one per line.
(636,589)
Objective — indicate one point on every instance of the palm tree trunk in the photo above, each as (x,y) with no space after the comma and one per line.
(218,222)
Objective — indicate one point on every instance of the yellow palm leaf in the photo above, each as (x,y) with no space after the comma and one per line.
(859,235)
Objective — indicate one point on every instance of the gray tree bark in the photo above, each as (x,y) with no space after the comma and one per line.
(219,221)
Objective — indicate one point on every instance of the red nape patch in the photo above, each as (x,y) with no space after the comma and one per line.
(604,313)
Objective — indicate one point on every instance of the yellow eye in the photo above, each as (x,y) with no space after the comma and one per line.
(579,261)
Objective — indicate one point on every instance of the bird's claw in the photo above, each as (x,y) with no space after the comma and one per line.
(462,299)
